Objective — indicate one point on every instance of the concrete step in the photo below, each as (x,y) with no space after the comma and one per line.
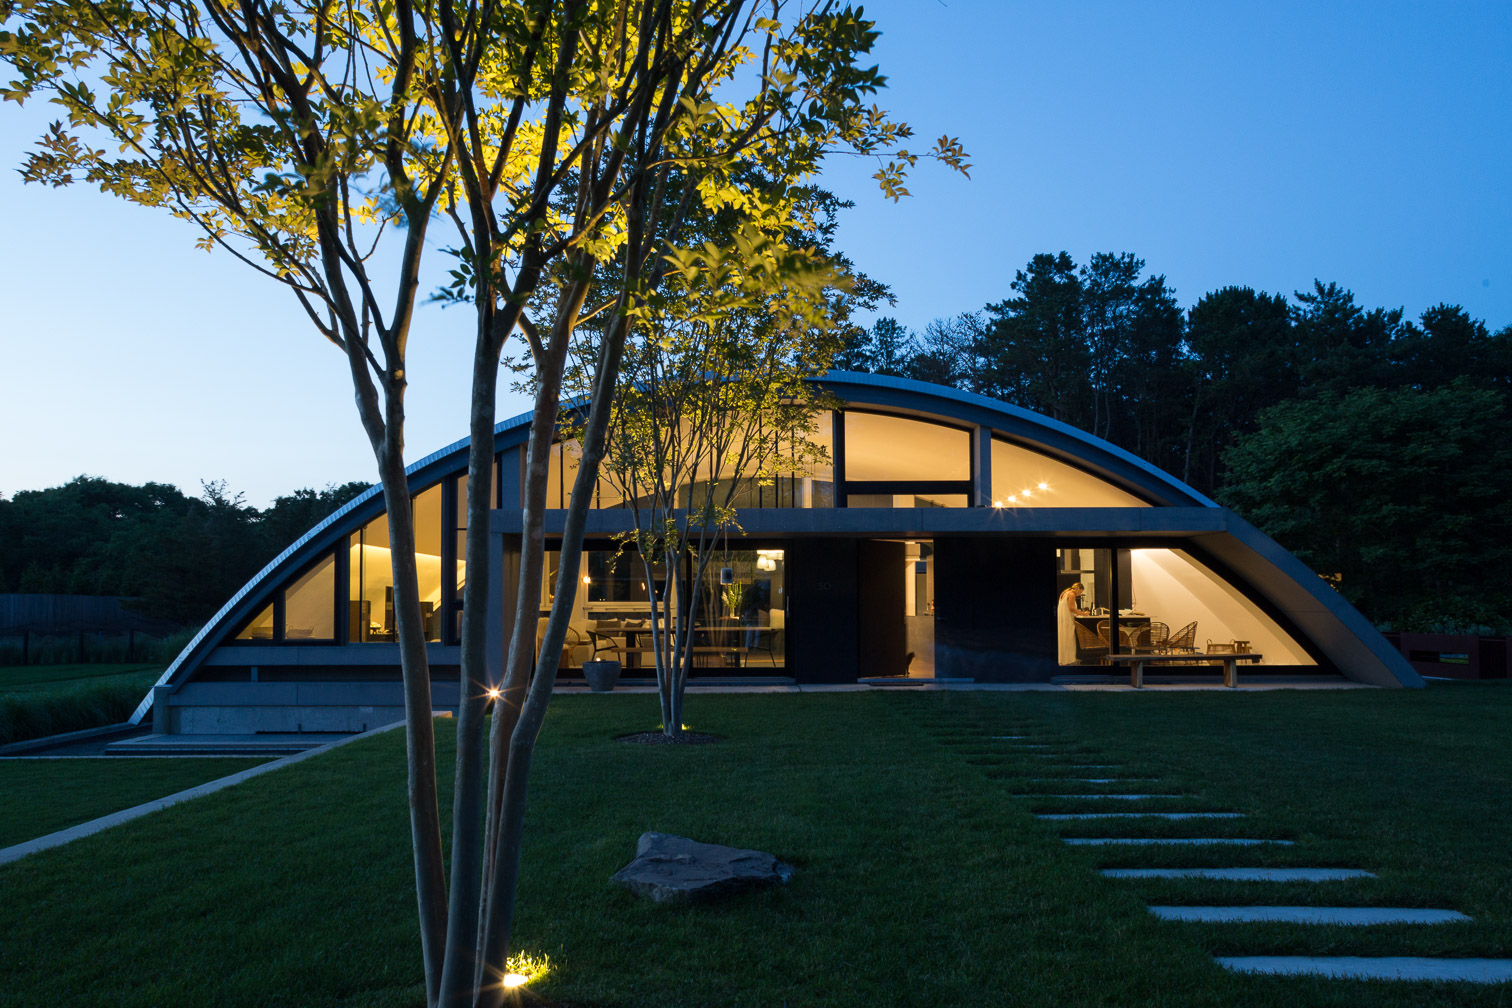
(1353,916)
(1375,967)
(1114,797)
(1139,815)
(1175,841)
(1243,874)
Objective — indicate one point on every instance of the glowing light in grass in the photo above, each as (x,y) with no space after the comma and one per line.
(493,692)
(524,968)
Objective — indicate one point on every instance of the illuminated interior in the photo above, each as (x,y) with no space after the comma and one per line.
(1167,602)
(1022,478)
(882,448)
(309,604)
(740,623)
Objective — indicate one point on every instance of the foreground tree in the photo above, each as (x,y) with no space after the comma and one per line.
(714,407)
(301,137)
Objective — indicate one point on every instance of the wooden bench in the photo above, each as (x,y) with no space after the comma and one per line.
(1230,659)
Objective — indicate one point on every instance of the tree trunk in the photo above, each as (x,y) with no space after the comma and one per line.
(420,738)
(461,971)
(511,820)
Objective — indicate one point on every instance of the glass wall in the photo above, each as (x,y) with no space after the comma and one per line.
(1202,610)
(310,604)
(798,474)
(740,622)
(261,627)
(1160,601)
(1025,478)
(882,448)
(371,574)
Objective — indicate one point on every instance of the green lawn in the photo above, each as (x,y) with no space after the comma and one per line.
(64,678)
(44,795)
(922,875)
(41,700)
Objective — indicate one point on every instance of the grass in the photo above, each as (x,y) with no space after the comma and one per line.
(42,796)
(41,700)
(922,874)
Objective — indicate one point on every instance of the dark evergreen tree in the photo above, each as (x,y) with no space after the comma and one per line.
(1032,351)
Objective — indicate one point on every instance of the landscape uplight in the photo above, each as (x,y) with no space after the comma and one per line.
(514,979)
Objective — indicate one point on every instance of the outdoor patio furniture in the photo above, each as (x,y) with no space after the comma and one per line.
(1092,645)
(1183,641)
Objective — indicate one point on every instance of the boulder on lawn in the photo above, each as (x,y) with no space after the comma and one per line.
(674,869)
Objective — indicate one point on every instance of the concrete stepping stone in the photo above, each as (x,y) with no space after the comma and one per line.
(1140,815)
(1090,780)
(1375,968)
(1185,841)
(1308,915)
(1243,874)
(1116,797)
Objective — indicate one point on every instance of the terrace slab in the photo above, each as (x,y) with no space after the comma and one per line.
(1182,841)
(1243,874)
(1375,968)
(1354,916)
(1140,815)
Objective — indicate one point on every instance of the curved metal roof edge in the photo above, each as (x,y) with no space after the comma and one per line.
(247,597)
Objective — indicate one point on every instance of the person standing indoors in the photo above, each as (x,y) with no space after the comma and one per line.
(1066,611)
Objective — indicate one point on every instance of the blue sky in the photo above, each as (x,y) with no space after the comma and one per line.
(1262,144)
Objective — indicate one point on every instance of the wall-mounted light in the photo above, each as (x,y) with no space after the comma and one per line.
(587,579)
(1044,486)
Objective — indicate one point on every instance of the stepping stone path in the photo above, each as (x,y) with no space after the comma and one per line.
(1349,967)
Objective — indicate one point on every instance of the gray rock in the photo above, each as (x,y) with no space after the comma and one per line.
(674,869)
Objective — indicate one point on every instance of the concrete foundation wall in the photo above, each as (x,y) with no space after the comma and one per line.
(249,708)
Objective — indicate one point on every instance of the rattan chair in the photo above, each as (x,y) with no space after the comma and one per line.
(1183,641)
(1092,645)
(1160,633)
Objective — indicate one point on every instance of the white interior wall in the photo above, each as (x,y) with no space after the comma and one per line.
(1172,587)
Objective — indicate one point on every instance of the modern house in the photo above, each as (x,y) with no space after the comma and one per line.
(936,543)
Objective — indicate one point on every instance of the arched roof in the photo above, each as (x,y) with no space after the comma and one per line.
(884,392)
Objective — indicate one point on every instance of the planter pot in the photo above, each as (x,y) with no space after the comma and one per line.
(601,675)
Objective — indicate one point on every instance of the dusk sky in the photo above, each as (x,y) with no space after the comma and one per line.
(1262,144)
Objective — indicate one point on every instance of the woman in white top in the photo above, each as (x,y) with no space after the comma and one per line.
(1066,611)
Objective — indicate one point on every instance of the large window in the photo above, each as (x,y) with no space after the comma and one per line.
(892,449)
(371,574)
(1025,478)
(793,478)
(1160,601)
(310,604)
(897,462)
(740,623)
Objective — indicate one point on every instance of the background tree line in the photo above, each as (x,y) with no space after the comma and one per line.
(1377,448)
(182,556)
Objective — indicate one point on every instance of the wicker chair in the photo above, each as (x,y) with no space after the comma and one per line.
(1092,645)
(1160,633)
(1183,641)
(1137,638)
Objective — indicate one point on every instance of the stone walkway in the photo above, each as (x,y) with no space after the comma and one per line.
(1345,967)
